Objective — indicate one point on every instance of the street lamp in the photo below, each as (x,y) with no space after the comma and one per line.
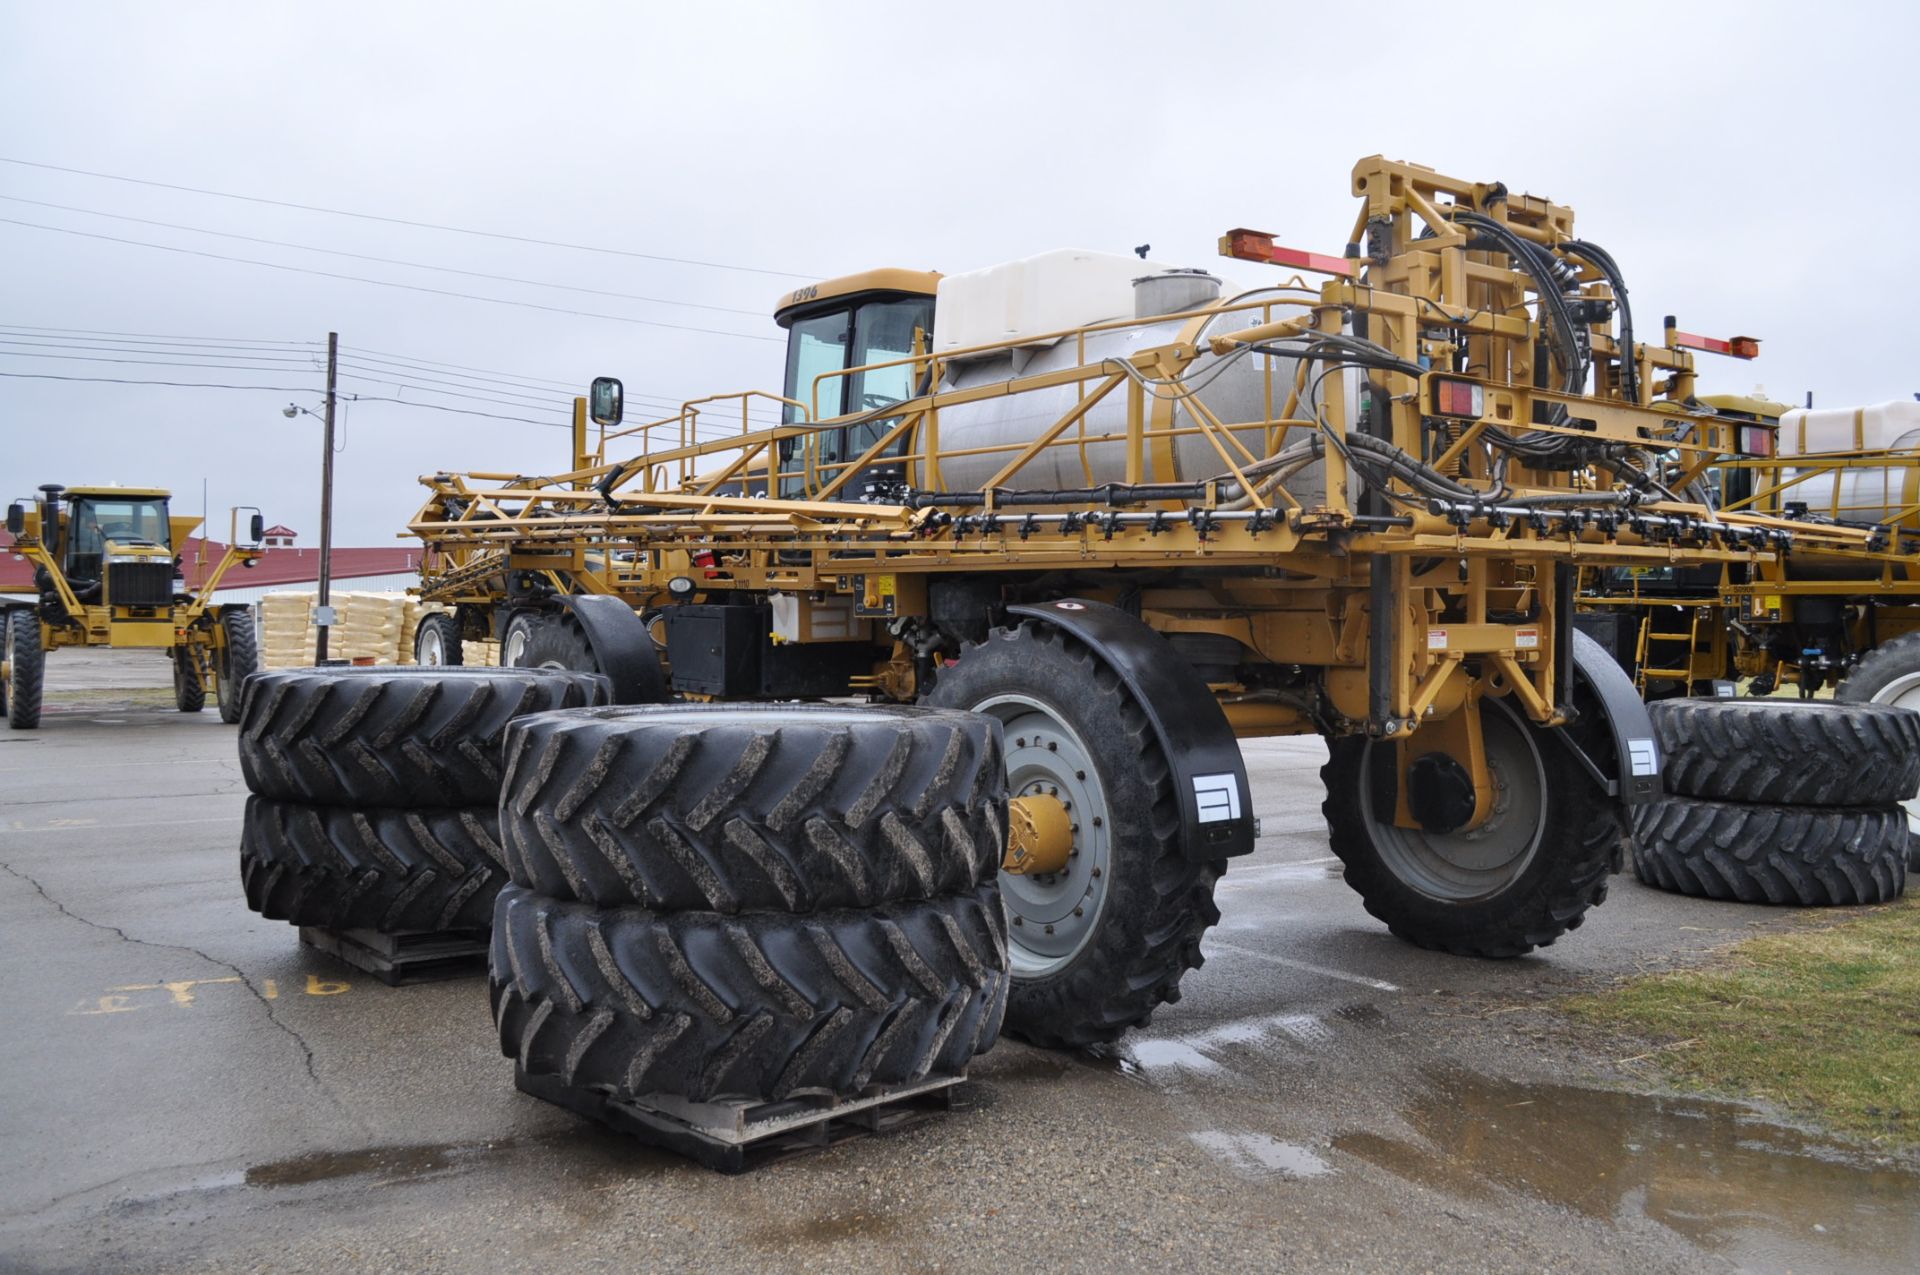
(322,607)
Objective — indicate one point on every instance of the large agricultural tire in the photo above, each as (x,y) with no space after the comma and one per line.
(1890,674)
(1790,752)
(403,737)
(628,1002)
(386,870)
(239,660)
(26,660)
(1528,874)
(728,808)
(1095,947)
(436,642)
(189,692)
(1803,856)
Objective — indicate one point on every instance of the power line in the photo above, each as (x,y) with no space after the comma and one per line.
(382,283)
(202,385)
(179,349)
(277,389)
(531,382)
(385,261)
(102,357)
(401,221)
(89,334)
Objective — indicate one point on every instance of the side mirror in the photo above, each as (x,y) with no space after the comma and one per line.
(16,518)
(604,402)
(257,528)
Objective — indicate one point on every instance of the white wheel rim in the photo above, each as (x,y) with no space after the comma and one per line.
(431,649)
(516,650)
(1904,692)
(1059,913)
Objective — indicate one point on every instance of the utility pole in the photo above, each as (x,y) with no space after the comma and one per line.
(323,608)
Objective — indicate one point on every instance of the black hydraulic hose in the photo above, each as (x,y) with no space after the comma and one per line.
(1537,263)
(1603,261)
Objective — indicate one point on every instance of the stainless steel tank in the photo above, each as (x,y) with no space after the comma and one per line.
(1236,393)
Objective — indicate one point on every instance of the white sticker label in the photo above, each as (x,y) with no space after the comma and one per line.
(1641,758)
(1218,797)
(1526,639)
(1436,639)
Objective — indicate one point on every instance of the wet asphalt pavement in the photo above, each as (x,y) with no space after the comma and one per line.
(183,1087)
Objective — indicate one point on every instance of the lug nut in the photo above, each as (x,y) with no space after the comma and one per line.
(1096,821)
(1019,920)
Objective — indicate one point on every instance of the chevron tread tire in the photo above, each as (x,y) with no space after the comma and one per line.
(386,870)
(1789,752)
(409,736)
(786,808)
(1801,856)
(628,1002)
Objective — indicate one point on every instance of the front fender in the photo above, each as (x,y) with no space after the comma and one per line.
(1209,776)
(1632,773)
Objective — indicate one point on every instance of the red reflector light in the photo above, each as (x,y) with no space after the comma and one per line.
(1458,398)
(704,558)
(1756,440)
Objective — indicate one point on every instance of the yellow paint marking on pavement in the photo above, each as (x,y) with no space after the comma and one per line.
(180,993)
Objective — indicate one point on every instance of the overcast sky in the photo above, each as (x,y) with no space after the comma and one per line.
(1751,166)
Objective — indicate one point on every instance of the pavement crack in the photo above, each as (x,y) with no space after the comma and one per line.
(306,1050)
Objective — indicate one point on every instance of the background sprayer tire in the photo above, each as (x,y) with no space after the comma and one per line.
(629,1002)
(402,737)
(786,808)
(1800,855)
(238,661)
(189,692)
(1791,752)
(386,870)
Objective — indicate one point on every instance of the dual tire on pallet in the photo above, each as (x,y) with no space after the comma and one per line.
(376,791)
(725,903)
(1784,802)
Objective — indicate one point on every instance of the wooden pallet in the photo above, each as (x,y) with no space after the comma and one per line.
(410,956)
(732,1137)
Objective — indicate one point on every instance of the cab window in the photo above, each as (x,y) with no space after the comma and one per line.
(878,330)
(93,522)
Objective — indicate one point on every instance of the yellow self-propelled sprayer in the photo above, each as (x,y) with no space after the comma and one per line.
(1135,515)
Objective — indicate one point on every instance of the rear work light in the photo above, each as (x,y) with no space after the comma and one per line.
(1755,440)
(1458,398)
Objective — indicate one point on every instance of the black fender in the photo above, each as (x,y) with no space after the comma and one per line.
(1209,776)
(1633,772)
(622,646)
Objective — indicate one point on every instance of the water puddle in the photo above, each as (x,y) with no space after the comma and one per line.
(1260,1154)
(1766,1197)
(1164,1060)
(388,1163)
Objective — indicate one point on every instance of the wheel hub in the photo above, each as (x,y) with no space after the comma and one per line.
(1039,835)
